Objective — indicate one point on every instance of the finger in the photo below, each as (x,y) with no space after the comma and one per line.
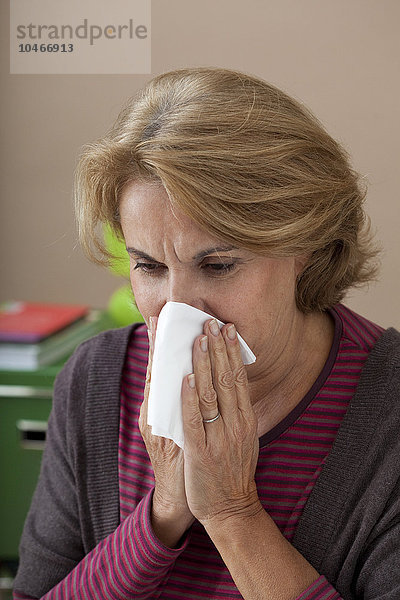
(143,425)
(208,400)
(222,375)
(143,409)
(232,345)
(193,426)
(151,332)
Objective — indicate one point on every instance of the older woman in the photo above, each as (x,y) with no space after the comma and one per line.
(231,198)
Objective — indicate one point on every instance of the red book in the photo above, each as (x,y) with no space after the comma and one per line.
(31,322)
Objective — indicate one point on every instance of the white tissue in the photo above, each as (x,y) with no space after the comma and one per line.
(177,327)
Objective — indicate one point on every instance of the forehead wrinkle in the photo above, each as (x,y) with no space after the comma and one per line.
(178,217)
(218,250)
(176,254)
(177,233)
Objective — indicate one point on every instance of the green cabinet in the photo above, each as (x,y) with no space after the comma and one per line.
(25,404)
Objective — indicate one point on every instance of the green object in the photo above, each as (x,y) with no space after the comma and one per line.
(25,404)
(24,413)
(116,246)
(122,308)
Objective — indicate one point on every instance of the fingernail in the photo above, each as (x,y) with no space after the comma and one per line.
(231,332)
(151,322)
(203,343)
(191,381)
(214,327)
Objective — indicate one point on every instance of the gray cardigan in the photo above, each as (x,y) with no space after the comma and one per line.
(350,527)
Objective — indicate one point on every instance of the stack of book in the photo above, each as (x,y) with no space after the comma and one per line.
(34,335)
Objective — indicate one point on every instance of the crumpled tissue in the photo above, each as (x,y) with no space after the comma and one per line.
(177,327)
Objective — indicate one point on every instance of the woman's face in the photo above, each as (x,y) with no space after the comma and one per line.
(172,258)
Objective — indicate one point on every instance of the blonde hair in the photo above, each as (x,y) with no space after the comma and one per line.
(246,162)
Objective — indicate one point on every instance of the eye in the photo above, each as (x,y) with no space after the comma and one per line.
(219,268)
(148,268)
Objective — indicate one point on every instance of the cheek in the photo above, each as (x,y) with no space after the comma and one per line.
(261,303)
(147,297)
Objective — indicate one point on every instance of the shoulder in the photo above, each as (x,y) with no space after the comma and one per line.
(382,368)
(115,340)
(372,421)
(89,382)
(357,332)
(105,350)
(376,405)
(384,358)
(380,346)
(389,341)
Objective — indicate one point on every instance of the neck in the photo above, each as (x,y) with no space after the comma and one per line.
(278,385)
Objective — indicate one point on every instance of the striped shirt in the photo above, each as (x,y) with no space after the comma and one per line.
(132,562)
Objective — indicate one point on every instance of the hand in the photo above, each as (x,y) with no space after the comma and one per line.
(170,512)
(220,457)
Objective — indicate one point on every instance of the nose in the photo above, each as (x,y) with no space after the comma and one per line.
(182,287)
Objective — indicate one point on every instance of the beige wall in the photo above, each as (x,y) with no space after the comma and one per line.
(341,57)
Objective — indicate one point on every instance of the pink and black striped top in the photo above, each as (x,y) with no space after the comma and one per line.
(131,562)
(291,457)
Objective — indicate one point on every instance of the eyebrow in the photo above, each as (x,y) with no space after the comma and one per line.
(198,256)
